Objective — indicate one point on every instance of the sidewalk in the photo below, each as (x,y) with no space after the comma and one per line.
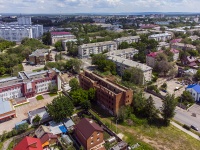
(185,130)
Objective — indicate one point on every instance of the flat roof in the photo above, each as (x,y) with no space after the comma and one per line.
(127,38)
(159,35)
(5,106)
(122,51)
(130,63)
(97,44)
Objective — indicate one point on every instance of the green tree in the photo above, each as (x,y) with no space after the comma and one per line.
(60,108)
(197,75)
(53,88)
(124,113)
(91,94)
(186,97)
(168,108)
(46,38)
(74,84)
(75,64)
(150,109)
(133,75)
(79,96)
(123,45)
(36,120)
(58,46)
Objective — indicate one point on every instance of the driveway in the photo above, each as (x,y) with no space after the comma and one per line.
(22,111)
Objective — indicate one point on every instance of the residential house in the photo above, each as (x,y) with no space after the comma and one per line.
(41,130)
(123,64)
(109,95)
(194,89)
(151,58)
(29,143)
(161,37)
(69,124)
(124,53)
(128,39)
(40,57)
(175,54)
(162,44)
(189,61)
(177,30)
(175,41)
(89,134)
(194,37)
(183,46)
(40,112)
(7,111)
(48,139)
(86,50)
(57,128)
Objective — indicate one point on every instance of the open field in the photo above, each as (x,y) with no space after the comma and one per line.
(153,137)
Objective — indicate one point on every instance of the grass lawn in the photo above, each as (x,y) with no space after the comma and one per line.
(36,70)
(11,145)
(5,76)
(53,94)
(39,97)
(151,137)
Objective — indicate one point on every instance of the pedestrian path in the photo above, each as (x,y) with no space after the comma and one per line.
(185,130)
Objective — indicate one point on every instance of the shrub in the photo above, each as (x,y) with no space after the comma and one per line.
(186,127)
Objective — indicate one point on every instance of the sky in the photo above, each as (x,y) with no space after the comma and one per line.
(97,6)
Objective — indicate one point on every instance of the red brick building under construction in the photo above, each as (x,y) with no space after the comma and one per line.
(109,95)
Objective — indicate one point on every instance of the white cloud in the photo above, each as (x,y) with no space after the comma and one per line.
(73,6)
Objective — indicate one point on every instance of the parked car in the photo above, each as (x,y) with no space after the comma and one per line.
(194,128)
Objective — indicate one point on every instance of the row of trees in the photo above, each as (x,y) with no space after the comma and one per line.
(73,65)
(6,44)
(10,61)
(103,64)
(145,108)
(62,106)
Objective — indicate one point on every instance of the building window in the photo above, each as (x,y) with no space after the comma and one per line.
(92,142)
(97,133)
(97,139)
(92,137)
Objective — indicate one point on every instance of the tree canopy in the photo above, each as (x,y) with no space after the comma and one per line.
(168,108)
(74,84)
(60,108)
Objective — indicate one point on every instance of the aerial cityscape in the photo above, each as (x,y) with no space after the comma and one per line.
(100,75)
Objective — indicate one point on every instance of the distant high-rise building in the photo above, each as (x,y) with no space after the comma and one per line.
(24,20)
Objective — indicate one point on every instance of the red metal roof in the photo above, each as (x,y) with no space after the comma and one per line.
(29,143)
(175,41)
(60,33)
(87,127)
(154,54)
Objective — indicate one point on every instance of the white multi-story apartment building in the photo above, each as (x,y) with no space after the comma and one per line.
(129,40)
(86,50)
(161,37)
(124,53)
(24,20)
(21,30)
(123,64)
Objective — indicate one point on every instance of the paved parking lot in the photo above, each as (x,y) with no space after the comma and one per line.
(21,112)
(172,85)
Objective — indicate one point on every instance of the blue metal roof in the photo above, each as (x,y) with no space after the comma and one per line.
(195,87)
(63,129)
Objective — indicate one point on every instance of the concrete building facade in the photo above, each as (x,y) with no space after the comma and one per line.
(129,40)
(123,64)
(161,37)
(27,85)
(60,36)
(86,50)
(109,95)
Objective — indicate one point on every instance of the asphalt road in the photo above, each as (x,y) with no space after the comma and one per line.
(182,116)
